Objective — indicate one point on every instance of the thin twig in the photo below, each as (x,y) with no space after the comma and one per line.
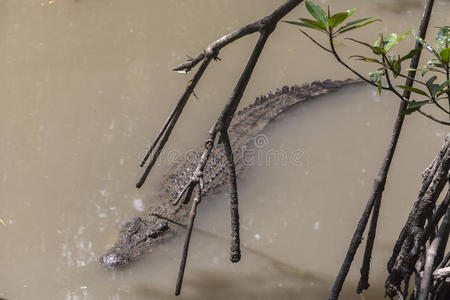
(392,69)
(187,240)
(256,26)
(315,42)
(168,126)
(433,118)
(447,71)
(339,59)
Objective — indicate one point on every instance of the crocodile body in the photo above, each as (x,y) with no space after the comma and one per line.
(139,235)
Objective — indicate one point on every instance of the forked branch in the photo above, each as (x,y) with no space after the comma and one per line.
(265,27)
(210,52)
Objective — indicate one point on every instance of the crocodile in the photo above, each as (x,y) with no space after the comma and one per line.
(159,222)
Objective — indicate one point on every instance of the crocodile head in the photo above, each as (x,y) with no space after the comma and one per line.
(136,238)
(115,258)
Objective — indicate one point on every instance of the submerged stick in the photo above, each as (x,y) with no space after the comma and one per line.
(187,240)
(235,249)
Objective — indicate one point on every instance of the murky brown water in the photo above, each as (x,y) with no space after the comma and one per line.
(85,85)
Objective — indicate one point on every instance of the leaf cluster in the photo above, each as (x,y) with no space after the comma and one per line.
(327,23)
(388,63)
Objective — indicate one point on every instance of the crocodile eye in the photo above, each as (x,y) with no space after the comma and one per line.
(163,226)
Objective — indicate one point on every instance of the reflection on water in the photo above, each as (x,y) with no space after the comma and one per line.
(85,86)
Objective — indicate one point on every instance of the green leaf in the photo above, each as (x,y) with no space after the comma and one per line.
(431,81)
(317,12)
(445,55)
(413,106)
(411,54)
(431,69)
(362,43)
(314,23)
(337,19)
(351,11)
(394,42)
(442,92)
(346,28)
(366,59)
(444,85)
(424,71)
(305,25)
(443,38)
(375,76)
(433,88)
(397,65)
(435,62)
(414,90)
(376,50)
(355,22)
(392,59)
(426,45)
(390,38)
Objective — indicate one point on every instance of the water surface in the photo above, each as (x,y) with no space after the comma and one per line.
(85,86)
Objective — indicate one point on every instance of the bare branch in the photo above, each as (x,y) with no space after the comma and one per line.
(256,26)
(442,273)
(437,243)
(444,261)
(380,180)
(168,126)
(409,250)
(189,185)
(263,25)
(235,250)
(339,59)
(192,214)
(438,214)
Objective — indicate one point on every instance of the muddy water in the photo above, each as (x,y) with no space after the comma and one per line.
(86,84)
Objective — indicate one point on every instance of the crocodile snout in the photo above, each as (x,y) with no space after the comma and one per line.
(114,259)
